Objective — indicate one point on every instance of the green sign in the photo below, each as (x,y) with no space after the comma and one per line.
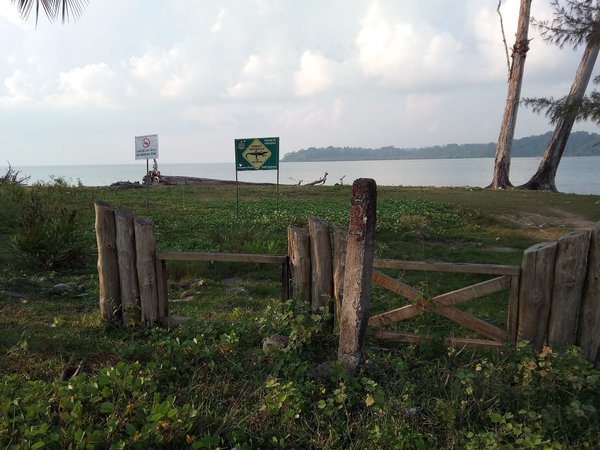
(257,154)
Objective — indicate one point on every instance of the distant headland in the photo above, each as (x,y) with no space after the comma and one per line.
(581,143)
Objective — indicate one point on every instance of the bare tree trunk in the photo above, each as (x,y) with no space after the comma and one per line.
(544,178)
(500,178)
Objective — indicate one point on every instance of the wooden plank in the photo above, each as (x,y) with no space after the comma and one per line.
(321,263)
(535,292)
(396,286)
(340,242)
(410,338)
(109,287)
(436,266)
(162,288)
(286,280)
(474,343)
(513,309)
(299,254)
(589,328)
(469,321)
(396,315)
(449,341)
(130,295)
(569,275)
(145,245)
(222,257)
(474,291)
(173,321)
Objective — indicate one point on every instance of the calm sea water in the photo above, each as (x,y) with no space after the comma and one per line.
(579,175)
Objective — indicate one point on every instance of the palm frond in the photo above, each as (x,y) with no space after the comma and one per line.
(53,9)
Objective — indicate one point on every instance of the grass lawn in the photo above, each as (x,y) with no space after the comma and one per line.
(208,384)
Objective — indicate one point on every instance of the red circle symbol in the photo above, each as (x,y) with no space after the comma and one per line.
(145,142)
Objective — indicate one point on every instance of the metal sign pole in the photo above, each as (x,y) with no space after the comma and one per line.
(237,193)
(147,185)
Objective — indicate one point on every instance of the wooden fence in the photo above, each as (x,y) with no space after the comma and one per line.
(553,298)
(132,275)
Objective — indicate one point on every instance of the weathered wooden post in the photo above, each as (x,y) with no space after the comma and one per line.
(535,293)
(108,265)
(130,293)
(569,276)
(145,245)
(299,253)
(589,325)
(340,241)
(359,268)
(321,264)
(162,288)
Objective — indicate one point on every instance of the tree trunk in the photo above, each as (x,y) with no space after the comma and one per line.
(500,178)
(544,178)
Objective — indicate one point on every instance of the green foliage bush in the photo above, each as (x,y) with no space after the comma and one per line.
(51,238)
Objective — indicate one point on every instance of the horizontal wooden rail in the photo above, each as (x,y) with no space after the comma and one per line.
(222,257)
(436,266)
(449,341)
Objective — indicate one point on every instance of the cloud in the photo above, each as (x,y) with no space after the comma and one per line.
(405,54)
(89,86)
(18,88)
(166,72)
(314,75)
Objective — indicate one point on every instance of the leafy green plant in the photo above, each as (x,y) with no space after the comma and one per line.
(51,239)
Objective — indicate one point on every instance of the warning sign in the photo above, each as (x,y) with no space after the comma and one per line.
(257,154)
(146,147)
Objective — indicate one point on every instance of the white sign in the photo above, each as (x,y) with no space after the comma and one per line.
(146,147)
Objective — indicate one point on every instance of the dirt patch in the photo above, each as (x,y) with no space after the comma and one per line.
(551,224)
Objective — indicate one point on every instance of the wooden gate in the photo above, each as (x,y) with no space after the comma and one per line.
(507,278)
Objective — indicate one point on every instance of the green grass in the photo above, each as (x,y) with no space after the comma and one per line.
(208,384)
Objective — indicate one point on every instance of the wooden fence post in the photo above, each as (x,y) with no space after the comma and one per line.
(340,241)
(321,263)
(299,254)
(356,306)
(569,275)
(145,245)
(108,264)
(162,288)
(589,325)
(130,292)
(535,293)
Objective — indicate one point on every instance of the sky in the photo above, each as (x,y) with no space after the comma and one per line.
(315,73)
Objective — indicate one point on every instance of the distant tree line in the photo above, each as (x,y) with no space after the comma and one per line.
(581,143)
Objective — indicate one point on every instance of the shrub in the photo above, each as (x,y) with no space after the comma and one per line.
(51,239)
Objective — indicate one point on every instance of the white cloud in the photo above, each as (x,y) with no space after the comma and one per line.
(314,75)
(166,72)
(406,54)
(218,25)
(90,86)
(17,90)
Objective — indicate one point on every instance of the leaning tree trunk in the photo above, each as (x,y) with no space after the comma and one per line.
(544,178)
(500,178)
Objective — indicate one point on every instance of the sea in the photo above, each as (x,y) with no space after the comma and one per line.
(578,175)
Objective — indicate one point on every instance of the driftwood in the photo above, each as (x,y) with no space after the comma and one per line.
(321,180)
